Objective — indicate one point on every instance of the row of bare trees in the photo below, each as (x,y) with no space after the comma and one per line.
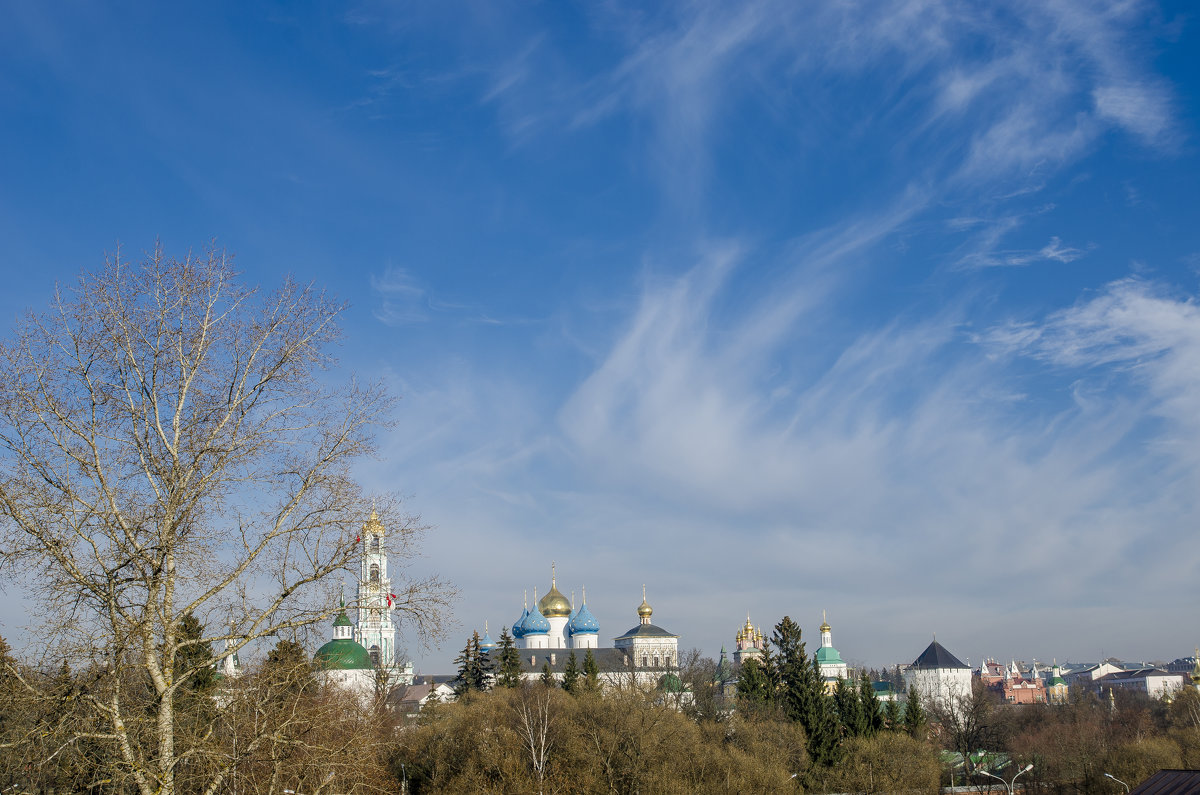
(1071,746)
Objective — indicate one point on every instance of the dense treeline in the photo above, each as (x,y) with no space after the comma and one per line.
(277,728)
(274,728)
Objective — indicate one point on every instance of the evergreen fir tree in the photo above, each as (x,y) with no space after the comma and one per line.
(570,680)
(849,708)
(891,712)
(487,669)
(802,693)
(287,666)
(872,717)
(509,662)
(195,660)
(767,661)
(754,689)
(914,715)
(591,673)
(472,670)
(547,675)
(465,671)
(480,669)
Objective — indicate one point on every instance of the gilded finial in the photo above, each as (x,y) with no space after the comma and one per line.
(585,594)
(553,576)
(526,598)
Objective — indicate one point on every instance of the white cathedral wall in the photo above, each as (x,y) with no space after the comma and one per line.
(557,638)
(359,683)
(585,640)
(834,670)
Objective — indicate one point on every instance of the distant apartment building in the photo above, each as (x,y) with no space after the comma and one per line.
(1153,682)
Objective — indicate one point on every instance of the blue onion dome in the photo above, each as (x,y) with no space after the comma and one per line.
(518,629)
(535,623)
(486,643)
(583,622)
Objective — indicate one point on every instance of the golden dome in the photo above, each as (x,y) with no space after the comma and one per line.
(554,604)
(644,609)
(824,624)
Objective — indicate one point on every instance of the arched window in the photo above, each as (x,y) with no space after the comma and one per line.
(374,652)
(375,572)
(374,543)
(656,661)
(645,662)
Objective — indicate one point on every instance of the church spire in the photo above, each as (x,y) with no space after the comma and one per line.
(645,611)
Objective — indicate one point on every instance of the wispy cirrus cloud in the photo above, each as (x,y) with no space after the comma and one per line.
(1135,328)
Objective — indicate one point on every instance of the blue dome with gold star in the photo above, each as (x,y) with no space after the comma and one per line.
(518,629)
(535,623)
(583,622)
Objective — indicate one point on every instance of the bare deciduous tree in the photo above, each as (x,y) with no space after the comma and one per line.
(535,713)
(170,445)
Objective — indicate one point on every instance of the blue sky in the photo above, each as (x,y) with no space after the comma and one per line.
(882,309)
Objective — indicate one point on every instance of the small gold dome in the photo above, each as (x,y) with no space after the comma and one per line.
(644,609)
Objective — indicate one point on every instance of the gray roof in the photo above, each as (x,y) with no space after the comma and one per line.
(1141,673)
(937,656)
(647,631)
(607,660)
(1170,782)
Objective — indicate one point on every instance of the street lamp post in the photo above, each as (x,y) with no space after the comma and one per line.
(1008,785)
(1119,781)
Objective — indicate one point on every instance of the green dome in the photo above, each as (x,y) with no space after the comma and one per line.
(828,655)
(670,683)
(343,655)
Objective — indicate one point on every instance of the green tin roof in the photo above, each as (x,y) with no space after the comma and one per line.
(828,655)
(342,620)
(343,655)
(670,683)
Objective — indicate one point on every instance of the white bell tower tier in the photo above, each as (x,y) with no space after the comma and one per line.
(374,629)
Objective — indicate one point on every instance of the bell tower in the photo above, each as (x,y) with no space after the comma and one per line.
(374,629)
